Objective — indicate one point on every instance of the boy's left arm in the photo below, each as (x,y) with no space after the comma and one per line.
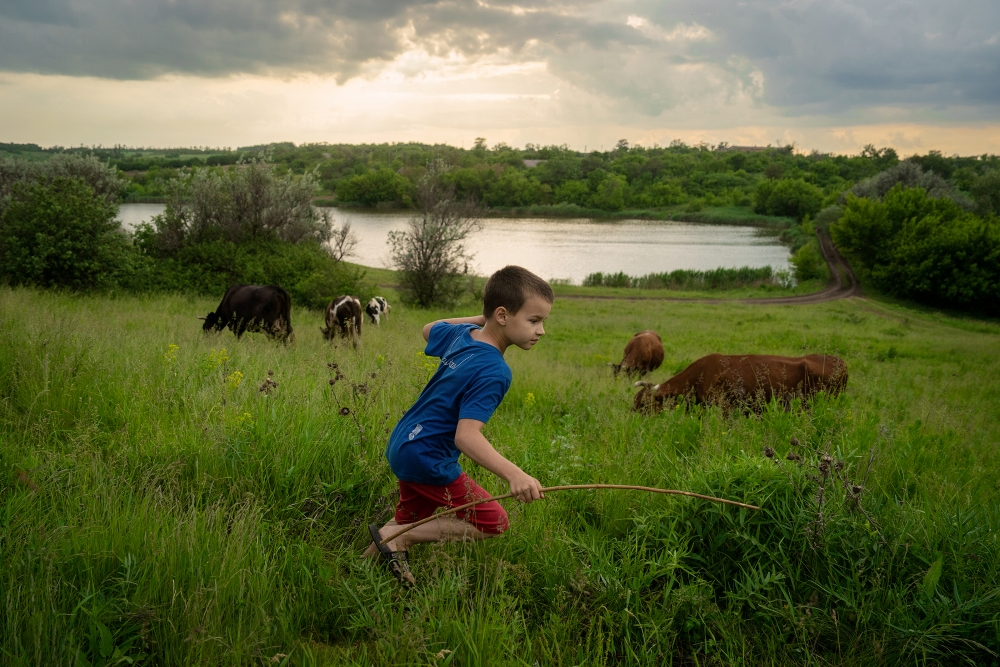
(470,441)
(478,320)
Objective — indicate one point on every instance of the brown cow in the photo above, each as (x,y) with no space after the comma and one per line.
(748,381)
(643,354)
(343,314)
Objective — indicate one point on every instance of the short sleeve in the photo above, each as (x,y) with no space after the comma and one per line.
(439,338)
(482,397)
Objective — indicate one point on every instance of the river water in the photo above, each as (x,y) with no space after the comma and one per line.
(567,249)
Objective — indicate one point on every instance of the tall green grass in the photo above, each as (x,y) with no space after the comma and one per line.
(156,505)
(688,279)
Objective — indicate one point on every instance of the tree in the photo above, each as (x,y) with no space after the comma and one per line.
(986,192)
(430,254)
(924,248)
(909,175)
(611,193)
(383,186)
(788,197)
(61,234)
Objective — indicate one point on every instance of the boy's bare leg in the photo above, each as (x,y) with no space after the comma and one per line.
(445,529)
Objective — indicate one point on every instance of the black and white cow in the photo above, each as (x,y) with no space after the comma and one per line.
(343,314)
(376,308)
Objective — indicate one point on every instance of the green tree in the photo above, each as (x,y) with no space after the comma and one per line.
(789,197)
(61,234)
(611,193)
(382,186)
(922,248)
(986,192)
(573,192)
(513,188)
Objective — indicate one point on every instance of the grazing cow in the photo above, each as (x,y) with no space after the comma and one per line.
(746,381)
(265,308)
(376,308)
(343,314)
(643,354)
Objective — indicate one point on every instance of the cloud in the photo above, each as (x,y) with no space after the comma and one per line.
(848,59)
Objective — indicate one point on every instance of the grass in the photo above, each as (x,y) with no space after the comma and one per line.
(156,506)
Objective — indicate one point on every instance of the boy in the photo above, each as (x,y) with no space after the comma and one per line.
(448,418)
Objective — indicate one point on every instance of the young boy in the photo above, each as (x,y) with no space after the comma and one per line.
(448,418)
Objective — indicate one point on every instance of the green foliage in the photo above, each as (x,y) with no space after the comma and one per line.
(809,263)
(153,510)
(909,174)
(382,186)
(926,249)
(789,197)
(306,270)
(686,279)
(61,234)
(986,192)
(611,193)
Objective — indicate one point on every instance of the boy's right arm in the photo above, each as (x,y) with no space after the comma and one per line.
(478,320)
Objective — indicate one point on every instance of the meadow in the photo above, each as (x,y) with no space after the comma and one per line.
(174,498)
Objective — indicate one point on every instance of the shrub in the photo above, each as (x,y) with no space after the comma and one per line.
(382,186)
(930,250)
(61,233)
(611,193)
(793,198)
(248,204)
(721,278)
(809,263)
(430,254)
(103,179)
(909,175)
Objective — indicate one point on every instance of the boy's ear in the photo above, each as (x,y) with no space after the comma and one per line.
(499,316)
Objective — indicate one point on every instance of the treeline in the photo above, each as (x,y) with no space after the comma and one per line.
(59,229)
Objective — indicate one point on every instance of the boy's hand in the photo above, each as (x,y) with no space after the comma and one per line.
(525,487)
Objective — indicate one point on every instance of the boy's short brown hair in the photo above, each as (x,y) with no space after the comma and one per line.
(510,287)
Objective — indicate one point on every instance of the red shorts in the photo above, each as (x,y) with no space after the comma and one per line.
(418,501)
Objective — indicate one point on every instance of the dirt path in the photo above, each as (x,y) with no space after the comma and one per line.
(843,283)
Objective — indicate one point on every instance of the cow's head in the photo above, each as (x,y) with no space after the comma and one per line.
(327,333)
(211,322)
(652,397)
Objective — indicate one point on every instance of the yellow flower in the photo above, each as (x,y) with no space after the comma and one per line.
(529,400)
(170,356)
(218,357)
(234,380)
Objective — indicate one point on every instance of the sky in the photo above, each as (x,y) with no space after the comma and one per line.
(829,75)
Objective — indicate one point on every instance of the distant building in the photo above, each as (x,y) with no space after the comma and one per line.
(530,164)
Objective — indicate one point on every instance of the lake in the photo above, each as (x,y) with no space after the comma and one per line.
(567,248)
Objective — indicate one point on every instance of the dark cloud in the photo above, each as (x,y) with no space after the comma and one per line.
(801,56)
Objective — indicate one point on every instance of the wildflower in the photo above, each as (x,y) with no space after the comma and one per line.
(234,380)
(170,356)
(792,456)
(769,452)
(270,373)
(345,411)
(529,400)
(218,357)
(795,442)
(333,381)
(268,386)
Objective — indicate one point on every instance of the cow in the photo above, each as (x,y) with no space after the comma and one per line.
(377,308)
(264,308)
(747,381)
(643,354)
(343,314)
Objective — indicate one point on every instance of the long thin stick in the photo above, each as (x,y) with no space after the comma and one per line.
(568,487)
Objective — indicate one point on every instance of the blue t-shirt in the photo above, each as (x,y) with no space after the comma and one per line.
(469,383)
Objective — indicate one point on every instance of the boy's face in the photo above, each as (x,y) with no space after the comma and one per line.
(526,326)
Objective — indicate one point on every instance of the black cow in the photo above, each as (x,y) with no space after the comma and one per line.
(265,308)
(376,308)
(343,314)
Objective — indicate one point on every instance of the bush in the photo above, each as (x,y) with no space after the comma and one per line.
(909,175)
(721,278)
(809,263)
(929,250)
(611,193)
(100,177)
(430,254)
(383,186)
(61,233)
(788,197)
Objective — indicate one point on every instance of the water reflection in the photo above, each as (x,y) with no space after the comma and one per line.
(568,248)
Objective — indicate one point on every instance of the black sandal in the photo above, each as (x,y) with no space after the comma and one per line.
(397,561)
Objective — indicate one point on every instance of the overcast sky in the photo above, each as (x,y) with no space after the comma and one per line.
(831,75)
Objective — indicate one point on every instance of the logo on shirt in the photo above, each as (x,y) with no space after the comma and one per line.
(416,431)
(450,363)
